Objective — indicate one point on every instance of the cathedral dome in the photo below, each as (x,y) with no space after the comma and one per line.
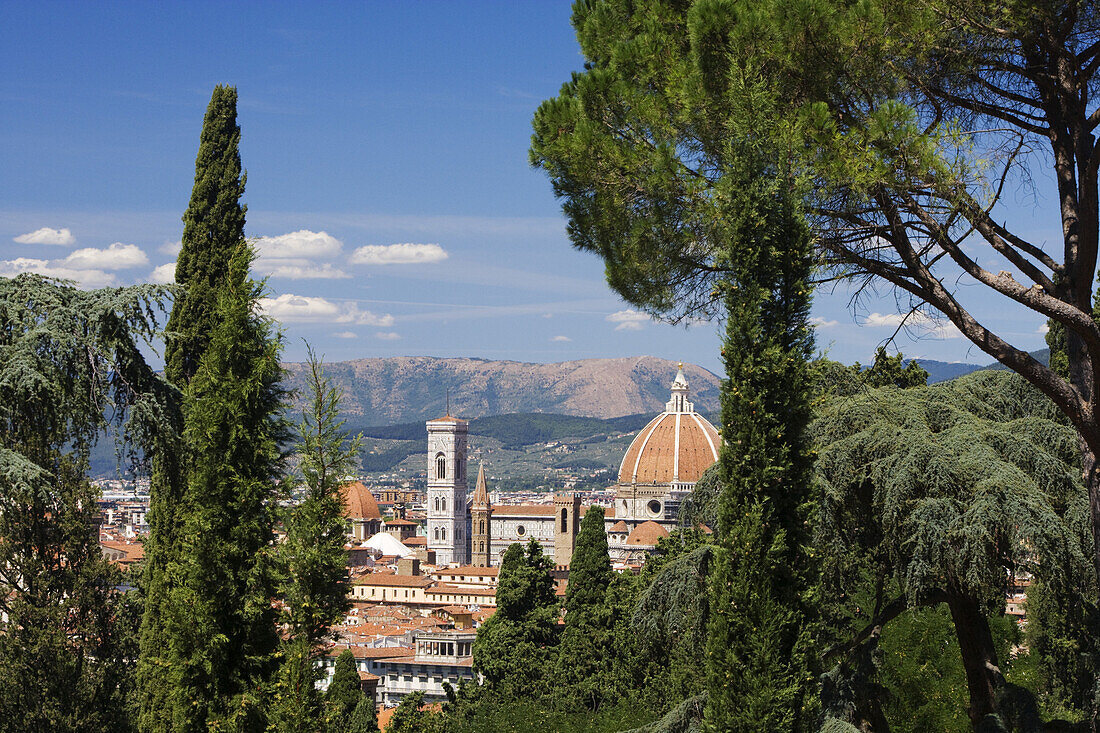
(675,447)
(359,502)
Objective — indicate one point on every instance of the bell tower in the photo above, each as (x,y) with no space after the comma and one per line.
(567,510)
(481,513)
(447,489)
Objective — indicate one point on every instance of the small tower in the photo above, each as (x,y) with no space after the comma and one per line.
(481,513)
(447,489)
(567,509)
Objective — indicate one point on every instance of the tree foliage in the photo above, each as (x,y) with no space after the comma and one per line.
(586,675)
(313,571)
(70,365)
(344,693)
(514,648)
(213,228)
(944,490)
(220,618)
(213,231)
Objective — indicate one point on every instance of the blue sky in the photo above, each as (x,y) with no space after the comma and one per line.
(364,127)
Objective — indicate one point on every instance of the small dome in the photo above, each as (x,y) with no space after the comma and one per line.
(359,503)
(646,534)
(675,447)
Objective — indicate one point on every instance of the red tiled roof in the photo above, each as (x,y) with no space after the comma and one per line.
(401,581)
(672,447)
(646,534)
(459,591)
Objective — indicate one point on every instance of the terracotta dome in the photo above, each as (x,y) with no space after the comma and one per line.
(675,447)
(646,534)
(359,503)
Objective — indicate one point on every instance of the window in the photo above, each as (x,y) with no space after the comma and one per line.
(481,527)
(460,467)
(440,466)
(520,530)
(443,533)
(654,507)
(443,504)
(564,520)
(437,533)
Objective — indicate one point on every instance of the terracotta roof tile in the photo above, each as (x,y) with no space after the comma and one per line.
(401,581)
(646,534)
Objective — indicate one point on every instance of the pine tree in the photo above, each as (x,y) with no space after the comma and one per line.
(213,230)
(344,692)
(583,668)
(220,620)
(314,575)
(759,650)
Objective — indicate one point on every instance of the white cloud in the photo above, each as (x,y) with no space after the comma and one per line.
(561,338)
(939,327)
(295,256)
(84,278)
(1044,329)
(398,254)
(164,274)
(302,243)
(170,248)
(346,335)
(628,320)
(45,235)
(117,256)
(387,336)
(299,270)
(290,308)
(823,323)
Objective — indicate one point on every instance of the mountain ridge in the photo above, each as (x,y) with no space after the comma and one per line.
(391,390)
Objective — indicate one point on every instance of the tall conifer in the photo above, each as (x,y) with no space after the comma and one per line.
(584,665)
(513,648)
(759,650)
(220,620)
(213,228)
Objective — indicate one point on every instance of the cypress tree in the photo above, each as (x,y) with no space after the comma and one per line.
(759,650)
(364,719)
(220,620)
(213,226)
(213,229)
(584,665)
(513,648)
(344,692)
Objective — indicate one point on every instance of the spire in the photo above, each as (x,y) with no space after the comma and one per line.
(678,401)
(481,493)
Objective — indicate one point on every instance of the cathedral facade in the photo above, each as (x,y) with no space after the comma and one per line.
(657,472)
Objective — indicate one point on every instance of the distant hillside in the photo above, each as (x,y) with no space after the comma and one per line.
(941,371)
(385,391)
